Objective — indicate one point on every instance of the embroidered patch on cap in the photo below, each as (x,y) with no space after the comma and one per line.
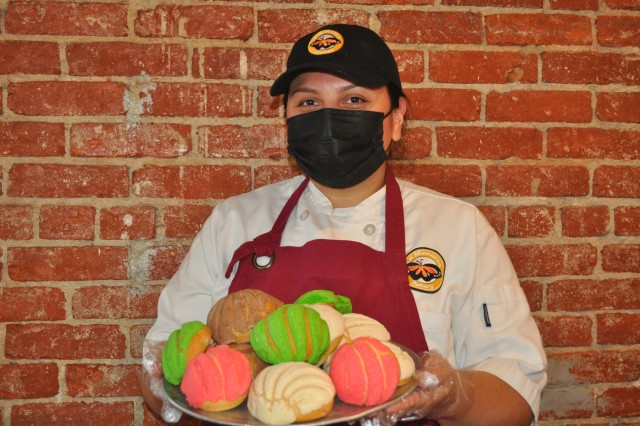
(324,42)
(426,270)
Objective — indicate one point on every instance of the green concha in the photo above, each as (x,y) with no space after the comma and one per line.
(341,304)
(290,333)
(174,351)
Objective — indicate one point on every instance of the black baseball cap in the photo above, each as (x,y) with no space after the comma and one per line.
(350,51)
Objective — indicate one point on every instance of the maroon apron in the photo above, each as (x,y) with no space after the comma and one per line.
(375,281)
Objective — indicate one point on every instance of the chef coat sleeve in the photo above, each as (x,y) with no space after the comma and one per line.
(501,336)
(189,294)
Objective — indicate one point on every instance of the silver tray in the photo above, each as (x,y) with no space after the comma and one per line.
(341,412)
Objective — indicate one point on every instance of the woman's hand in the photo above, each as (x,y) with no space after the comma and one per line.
(152,384)
(457,397)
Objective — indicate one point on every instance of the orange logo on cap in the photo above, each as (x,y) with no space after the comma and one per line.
(324,42)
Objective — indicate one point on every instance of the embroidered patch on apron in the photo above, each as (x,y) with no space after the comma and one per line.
(426,270)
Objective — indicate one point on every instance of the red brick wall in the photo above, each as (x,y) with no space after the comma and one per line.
(123,124)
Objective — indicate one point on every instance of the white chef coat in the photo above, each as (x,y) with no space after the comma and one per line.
(479,318)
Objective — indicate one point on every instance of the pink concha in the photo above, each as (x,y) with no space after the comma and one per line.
(364,372)
(217,380)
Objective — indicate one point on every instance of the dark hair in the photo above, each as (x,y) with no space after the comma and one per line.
(395,93)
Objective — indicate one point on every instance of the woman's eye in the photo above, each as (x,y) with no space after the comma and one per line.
(355,99)
(307,102)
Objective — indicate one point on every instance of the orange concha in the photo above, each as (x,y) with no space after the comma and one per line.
(217,380)
(364,372)
(232,318)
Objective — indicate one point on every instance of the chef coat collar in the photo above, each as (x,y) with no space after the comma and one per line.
(367,209)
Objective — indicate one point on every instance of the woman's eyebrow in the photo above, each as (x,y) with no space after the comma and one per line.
(304,89)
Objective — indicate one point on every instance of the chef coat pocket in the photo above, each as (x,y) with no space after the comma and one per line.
(501,305)
(437,330)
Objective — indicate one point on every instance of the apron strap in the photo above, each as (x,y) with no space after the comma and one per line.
(394,217)
(265,244)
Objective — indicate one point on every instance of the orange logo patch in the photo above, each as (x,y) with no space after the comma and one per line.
(325,42)
(426,270)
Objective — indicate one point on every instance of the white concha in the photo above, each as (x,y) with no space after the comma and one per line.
(334,320)
(359,325)
(290,392)
(407,364)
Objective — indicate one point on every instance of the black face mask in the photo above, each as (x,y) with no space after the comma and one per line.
(335,147)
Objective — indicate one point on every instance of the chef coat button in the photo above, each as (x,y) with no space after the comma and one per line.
(369,229)
(304,214)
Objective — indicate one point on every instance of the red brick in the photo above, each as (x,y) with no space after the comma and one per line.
(137,333)
(410,65)
(195,63)
(623,4)
(288,25)
(534,292)
(233,141)
(539,106)
(98,380)
(553,259)
(565,330)
(411,26)
(200,100)
(101,302)
(573,368)
(160,263)
(64,18)
(495,215)
(585,221)
(575,402)
(574,4)
(618,31)
(565,142)
(30,139)
(456,180)
(265,64)
(532,181)
(265,175)
(185,220)
(538,29)
(128,223)
(618,107)
(496,143)
(67,222)
(67,263)
(616,181)
(414,144)
(16,223)
(65,98)
(590,295)
(498,3)
(268,106)
(381,2)
(444,104)
(157,140)
(621,258)
(222,62)
(627,220)
(191,182)
(531,221)
(590,68)
(27,381)
(209,22)
(32,304)
(28,57)
(483,67)
(619,402)
(68,181)
(64,341)
(73,413)
(618,329)
(120,58)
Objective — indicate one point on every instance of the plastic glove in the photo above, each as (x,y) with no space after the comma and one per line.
(152,379)
(440,390)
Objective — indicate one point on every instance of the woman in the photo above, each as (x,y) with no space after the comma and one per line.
(426,265)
